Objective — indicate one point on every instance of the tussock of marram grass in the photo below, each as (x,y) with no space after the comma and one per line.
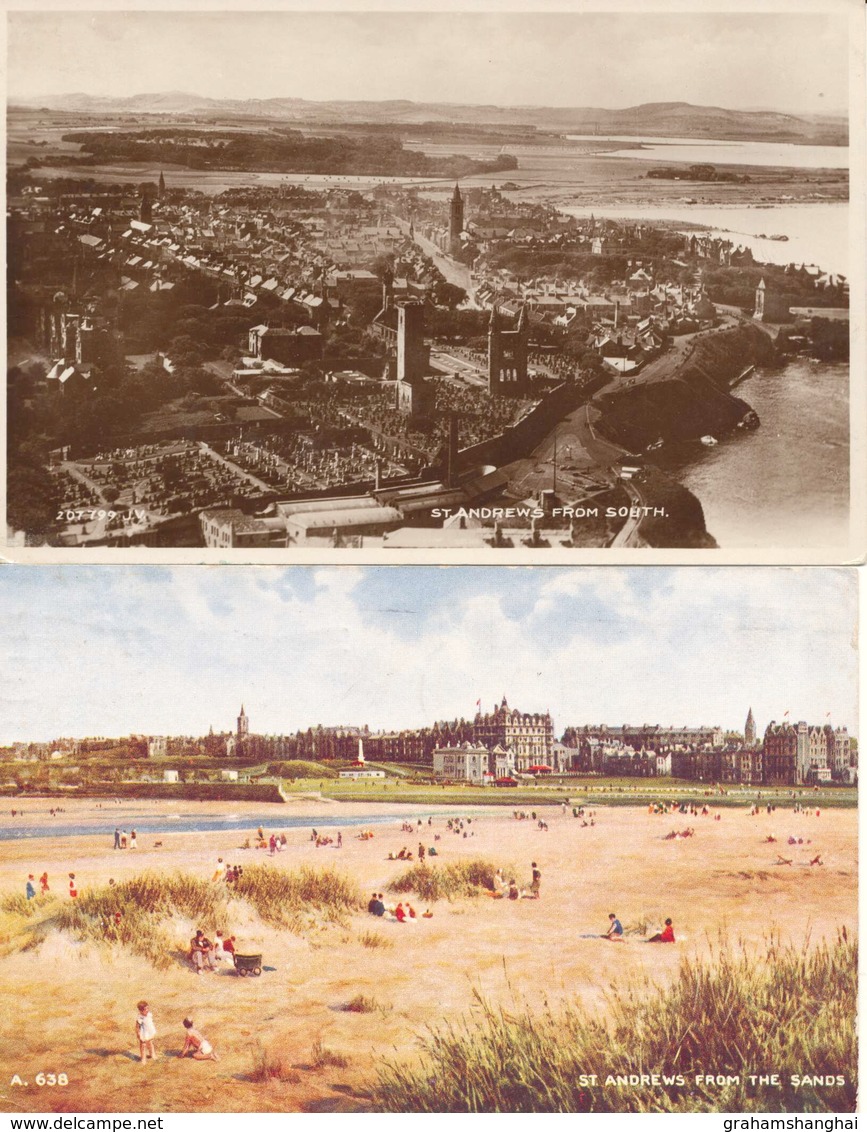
(361,1004)
(19,905)
(323,1057)
(268,1067)
(790,1011)
(374,940)
(280,896)
(145,903)
(445,882)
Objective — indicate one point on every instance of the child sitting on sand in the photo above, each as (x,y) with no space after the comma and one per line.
(196,1044)
(146,1031)
(665,936)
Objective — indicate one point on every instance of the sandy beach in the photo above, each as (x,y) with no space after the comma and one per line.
(75,1002)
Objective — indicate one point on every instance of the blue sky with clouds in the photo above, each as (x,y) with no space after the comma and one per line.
(109,651)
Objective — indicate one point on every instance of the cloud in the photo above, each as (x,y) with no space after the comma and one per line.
(107,650)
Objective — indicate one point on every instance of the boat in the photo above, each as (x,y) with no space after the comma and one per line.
(709,441)
(778,238)
(656,444)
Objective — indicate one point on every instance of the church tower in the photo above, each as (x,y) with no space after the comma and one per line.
(161,192)
(456,221)
(146,207)
(750,730)
(507,356)
(243,724)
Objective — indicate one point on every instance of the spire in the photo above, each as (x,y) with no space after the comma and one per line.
(456,195)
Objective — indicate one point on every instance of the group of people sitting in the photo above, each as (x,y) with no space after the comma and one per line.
(406,854)
(204,955)
(402,913)
(508,890)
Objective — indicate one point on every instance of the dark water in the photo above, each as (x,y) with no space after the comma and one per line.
(785,485)
(190,823)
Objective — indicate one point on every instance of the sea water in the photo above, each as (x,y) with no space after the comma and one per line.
(785,484)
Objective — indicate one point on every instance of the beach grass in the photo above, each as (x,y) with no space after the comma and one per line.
(272,1067)
(789,1011)
(322,1057)
(281,897)
(19,905)
(137,913)
(446,882)
(360,1004)
(374,940)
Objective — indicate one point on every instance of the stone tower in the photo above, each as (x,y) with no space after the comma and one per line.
(414,394)
(243,724)
(750,730)
(759,312)
(456,221)
(507,356)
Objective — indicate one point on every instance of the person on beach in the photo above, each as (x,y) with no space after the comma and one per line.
(201,952)
(229,945)
(615,928)
(43,884)
(220,871)
(73,888)
(117,838)
(513,889)
(371,905)
(532,892)
(30,890)
(132,840)
(665,936)
(399,914)
(146,1031)
(196,1044)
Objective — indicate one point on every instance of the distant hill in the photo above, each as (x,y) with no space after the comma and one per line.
(681,119)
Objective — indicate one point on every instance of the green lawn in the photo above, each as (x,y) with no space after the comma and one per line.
(599,791)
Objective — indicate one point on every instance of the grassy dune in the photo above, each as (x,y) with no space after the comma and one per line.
(791,1012)
(446,882)
(149,904)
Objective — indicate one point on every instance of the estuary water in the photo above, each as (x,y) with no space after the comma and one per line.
(786,484)
(815,233)
(717,152)
(205,823)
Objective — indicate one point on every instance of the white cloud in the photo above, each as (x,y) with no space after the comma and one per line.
(111,650)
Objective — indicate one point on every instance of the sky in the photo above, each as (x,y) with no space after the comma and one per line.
(795,62)
(173,650)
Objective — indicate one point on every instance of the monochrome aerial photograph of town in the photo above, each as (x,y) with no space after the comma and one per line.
(429,281)
(416,866)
